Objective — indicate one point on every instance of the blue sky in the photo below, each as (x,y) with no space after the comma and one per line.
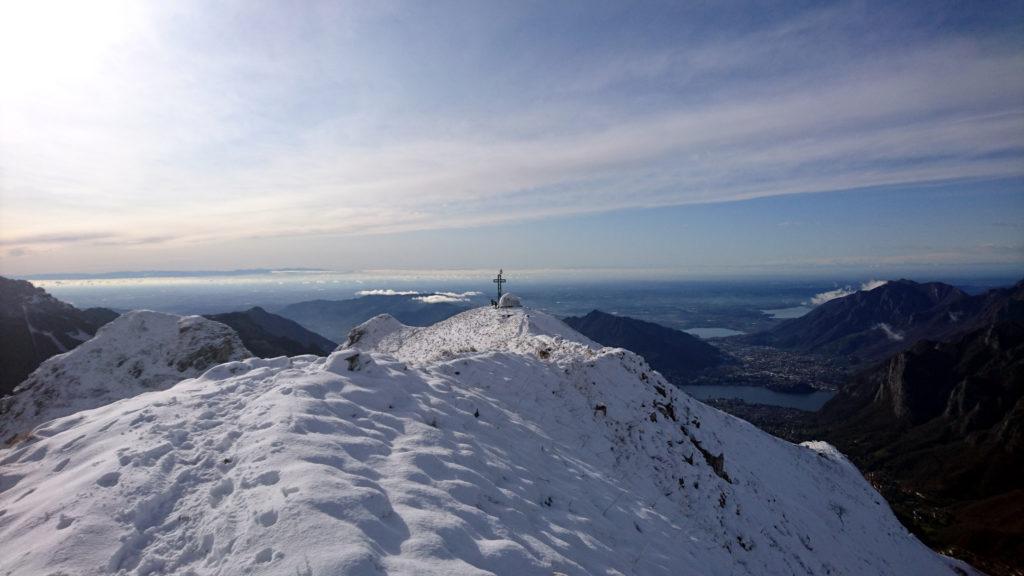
(705,139)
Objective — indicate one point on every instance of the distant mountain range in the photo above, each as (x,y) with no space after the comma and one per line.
(335,318)
(677,355)
(939,428)
(35,326)
(268,335)
(871,325)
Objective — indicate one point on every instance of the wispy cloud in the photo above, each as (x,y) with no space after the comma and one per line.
(57,238)
(889,332)
(841,292)
(427,298)
(386,292)
(447,297)
(440,299)
(202,133)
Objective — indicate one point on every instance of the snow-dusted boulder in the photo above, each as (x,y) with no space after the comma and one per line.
(519,331)
(138,352)
(369,333)
(497,442)
(509,301)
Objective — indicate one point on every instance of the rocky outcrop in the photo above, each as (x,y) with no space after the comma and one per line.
(140,351)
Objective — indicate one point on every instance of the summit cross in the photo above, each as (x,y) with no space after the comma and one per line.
(499,281)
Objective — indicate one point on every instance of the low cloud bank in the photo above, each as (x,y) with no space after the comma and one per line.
(429,297)
(438,299)
(446,297)
(889,332)
(823,297)
(386,292)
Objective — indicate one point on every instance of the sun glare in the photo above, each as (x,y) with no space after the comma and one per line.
(48,42)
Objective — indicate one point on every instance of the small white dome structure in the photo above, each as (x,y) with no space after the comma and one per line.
(509,301)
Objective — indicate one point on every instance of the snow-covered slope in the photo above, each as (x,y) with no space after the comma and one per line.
(497,442)
(138,352)
(482,329)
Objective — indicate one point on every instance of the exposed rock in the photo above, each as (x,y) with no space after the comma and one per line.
(35,326)
(940,427)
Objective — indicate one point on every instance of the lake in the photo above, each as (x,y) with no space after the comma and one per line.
(787,313)
(811,402)
(705,333)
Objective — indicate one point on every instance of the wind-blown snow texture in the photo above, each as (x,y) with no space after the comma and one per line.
(496,442)
(135,353)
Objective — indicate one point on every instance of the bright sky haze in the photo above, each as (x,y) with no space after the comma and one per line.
(708,138)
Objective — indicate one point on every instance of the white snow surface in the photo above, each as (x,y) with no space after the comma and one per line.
(473,331)
(137,352)
(496,442)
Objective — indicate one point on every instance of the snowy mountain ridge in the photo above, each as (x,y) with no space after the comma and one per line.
(137,352)
(496,442)
(480,329)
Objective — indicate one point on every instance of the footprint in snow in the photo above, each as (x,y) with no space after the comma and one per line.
(265,555)
(64,521)
(223,488)
(268,518)
(109,479)
(266,479)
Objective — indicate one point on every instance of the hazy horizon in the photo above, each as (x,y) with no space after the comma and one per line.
(991,277)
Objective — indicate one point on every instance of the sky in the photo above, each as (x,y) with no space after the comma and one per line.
(703,138)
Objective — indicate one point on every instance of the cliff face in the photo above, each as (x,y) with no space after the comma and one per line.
(941,425)
(34,326)
(968,382)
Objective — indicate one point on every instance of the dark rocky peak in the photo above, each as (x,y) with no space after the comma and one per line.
(269,335)
(973,380)
(35,326)
(871,325)
(965,380)
(674,353)
(897,302)
(17,295)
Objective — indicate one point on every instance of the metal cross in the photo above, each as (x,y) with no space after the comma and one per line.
(499,281)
